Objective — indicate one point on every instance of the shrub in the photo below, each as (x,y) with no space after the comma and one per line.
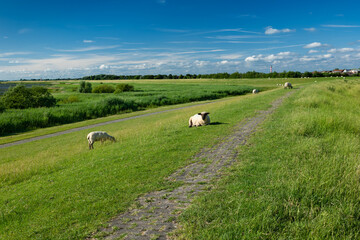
(85,87)
(103,89)
(20,97)
(2,106)
(42,97)
(123,87)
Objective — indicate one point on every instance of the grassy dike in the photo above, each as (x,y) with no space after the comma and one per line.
(298,178)
(57,189)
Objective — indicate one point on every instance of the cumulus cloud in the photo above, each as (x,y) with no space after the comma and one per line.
(312,29)
(103,66)
(270,30)
(269,58)
(315,45)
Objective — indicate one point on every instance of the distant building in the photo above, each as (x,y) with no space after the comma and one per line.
(337,71)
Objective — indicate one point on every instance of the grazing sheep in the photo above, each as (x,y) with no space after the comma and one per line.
(288,85)
(199,119)
(98,136)
(255,91)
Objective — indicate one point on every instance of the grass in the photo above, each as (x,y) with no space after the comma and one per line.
(90,106)
(49,130)
(57,189)
(298,178)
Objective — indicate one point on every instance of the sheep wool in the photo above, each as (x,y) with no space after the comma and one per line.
(199,119)
(288,85)
(255,91)
(98,136)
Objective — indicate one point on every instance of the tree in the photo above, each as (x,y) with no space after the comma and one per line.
(85,87)
(21,97)
(42,97)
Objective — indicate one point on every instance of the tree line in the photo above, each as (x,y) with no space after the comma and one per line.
(250,74)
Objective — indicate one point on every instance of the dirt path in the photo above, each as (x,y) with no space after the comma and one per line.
(97,125)
(153,215)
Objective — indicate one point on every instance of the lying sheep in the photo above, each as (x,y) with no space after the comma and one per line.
(255,91)
(98,136)
(288,85)
(199,119)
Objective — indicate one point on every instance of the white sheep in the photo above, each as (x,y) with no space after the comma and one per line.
(199,119)
(288,85)
(98,136)
(255,91)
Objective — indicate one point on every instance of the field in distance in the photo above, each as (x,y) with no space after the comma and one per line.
(73,106)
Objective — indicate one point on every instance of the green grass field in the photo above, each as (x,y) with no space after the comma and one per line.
(57,189)
(298,178)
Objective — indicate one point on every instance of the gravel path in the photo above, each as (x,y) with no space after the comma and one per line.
(154,215)
(96,125)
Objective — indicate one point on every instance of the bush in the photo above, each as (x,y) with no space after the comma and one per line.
(70,99)
(85,87)
(103,89)
(2,106)
(21,97)
(123,87)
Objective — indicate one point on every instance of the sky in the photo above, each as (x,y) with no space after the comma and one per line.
(71,39)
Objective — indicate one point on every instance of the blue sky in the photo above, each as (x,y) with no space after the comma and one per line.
(60,39)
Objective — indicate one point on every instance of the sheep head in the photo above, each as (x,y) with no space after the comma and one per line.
(203,115)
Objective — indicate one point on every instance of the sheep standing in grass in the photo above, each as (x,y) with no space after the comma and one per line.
(288,85)
(199,119)
(255,91)
(98,136)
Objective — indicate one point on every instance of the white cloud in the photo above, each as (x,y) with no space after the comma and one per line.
(313,51)
(103,66)
(341,50)
(269,58)
(312,29)
(315,45)
(270,30)
(315,58)
(88,41)
(7,54)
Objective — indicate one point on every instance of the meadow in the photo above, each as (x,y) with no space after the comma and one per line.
(57,189)
(74,106)
(297,178)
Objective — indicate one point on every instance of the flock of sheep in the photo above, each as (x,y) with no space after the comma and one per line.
(199,119)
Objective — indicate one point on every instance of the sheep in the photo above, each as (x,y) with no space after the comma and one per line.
(199,119)
(98,136)
(255,91)
(288,85)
